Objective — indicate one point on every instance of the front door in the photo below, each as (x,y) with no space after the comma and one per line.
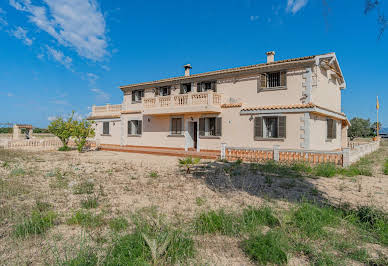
(195,124)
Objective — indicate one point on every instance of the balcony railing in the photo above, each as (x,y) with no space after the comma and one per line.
(191,99)
(106,109)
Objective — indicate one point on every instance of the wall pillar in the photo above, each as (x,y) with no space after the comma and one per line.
(16,132)
(276,152)
(345,157)
(223,151)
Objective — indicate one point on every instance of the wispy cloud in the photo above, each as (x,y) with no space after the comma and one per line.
(60,102)
(294,6)
(3,22)
(100,95)
(253,18)
(59,57)
(51,118)
(78,24)
(9,94)
(21,34)
(91,77)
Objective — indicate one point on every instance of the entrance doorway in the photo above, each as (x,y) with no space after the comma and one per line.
(192,141)
(195,124)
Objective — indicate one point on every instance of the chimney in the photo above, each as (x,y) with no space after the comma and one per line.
(270,56)
(187,69)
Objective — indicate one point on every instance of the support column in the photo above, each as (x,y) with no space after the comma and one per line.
(345,157)
(223,151)
(276,152)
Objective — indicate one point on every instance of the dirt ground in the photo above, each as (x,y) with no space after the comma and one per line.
(126,182)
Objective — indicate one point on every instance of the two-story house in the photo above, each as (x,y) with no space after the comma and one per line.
(294,103)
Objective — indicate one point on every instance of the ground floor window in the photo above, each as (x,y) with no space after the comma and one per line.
(134,127)
(331,129)
(105,128)
(270,127)
(210,126)
(176,126)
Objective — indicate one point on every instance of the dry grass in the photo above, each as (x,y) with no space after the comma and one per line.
(95,195)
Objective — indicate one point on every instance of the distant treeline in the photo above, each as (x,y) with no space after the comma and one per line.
(5,130)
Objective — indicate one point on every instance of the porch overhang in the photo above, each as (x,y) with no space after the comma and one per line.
(181,110)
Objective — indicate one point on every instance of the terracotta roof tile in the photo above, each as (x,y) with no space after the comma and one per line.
(275,107)
(231,105)
(222,71)
(103,117)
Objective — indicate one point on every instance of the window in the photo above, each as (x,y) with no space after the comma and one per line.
(134,127)
(210,126)
(331,129)
(270,127)
(273,80)
(163,91)
(105,128)
(206,86)
(185,88)
(176,126)
(137,95)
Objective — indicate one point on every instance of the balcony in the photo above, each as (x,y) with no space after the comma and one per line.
(106,111)
(202,102)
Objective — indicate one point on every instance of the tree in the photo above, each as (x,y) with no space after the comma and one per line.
(62,129)
(360,128)
(374,127)
(81,130)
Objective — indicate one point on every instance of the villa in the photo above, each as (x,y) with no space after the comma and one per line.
(290,104)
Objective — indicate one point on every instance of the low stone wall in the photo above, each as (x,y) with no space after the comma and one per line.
(352,155)
(52,143)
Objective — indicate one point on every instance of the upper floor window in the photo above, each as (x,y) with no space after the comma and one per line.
(273,80)
(210,126)
(206,86)
(105,128)
(331,129)
(163,91)
(134,127)
(137,95)
(269,127)
(185,88)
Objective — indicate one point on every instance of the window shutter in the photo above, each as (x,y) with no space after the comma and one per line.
(173,126)
(129,127)
(133,96)
(156,92)
(218,126)
(329,128)
(334,129)
(141,94)
(283,79)
(213,86)
(179,125)
(202,126)
(168,90)
(258,127)
(263,80)
(139,127)
(282,126)
(182,90)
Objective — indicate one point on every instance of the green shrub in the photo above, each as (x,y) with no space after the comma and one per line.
(355,170)
(386,167)
(301,167)
(154,174)
(85,257)
(217,222)
(37,223)
(118,224)
(64,148)
(90,202)
(84,187)
(86,219)
(311,219)
(151,244)
(252,217)
(268,248)
(325,170)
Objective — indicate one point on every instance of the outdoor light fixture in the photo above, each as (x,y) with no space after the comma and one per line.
(191,118)
(251,118)
(149,120)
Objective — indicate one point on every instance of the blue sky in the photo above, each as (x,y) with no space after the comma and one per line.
(63,55)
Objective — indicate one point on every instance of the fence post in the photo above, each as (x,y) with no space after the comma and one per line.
(223,151)
(345,157)
(276,152)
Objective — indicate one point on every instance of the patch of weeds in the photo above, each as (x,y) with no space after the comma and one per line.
(253,217)
(355,170)
(17,172)
(268,180)
(352,252)
(156,244)
(311,219)
(188,163)
(268,248)
(385,167)
(315,257)
(90,202)
(118,224)
(325,170)
(12,188)
(301,167)
(42,206)
(64,148)
(84,187)
(372,220)
(85,257)
(5,164)
(86,219)
(217,222)
(200,201)
(154,174)
(37,223)
(288,184)
(59,180)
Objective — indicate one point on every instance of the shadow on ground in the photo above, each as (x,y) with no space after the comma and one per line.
(268,180)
